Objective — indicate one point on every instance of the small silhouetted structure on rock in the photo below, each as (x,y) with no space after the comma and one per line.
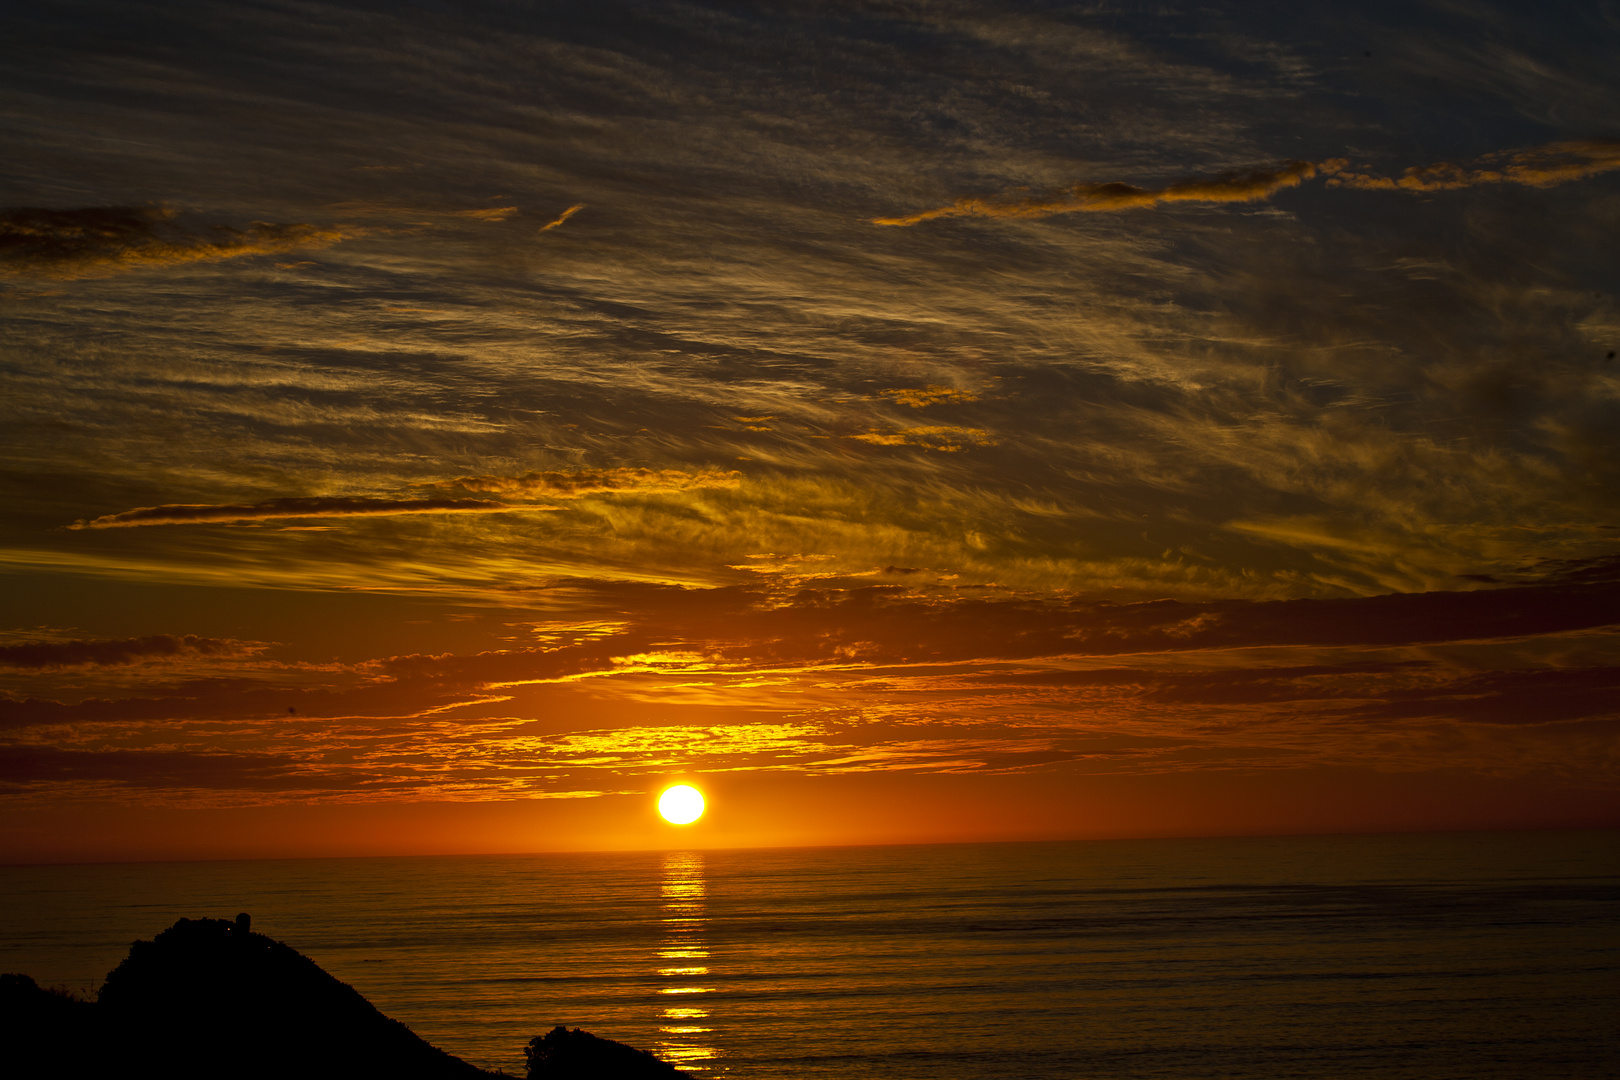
(244,922)
(561,1054)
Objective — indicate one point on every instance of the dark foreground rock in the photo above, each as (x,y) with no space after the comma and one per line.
(561,1054)
(209,999)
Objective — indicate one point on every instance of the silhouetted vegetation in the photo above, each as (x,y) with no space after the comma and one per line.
(210,998)
(43,1032)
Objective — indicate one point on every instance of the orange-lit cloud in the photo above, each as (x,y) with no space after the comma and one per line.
(493,213)
(564,216)
(298,507)
(1238,187)
(100,240)
(930,437)
(1542,166)
(581,482)
(930,395)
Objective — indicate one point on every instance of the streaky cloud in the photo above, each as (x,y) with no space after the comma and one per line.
(564,216)
(100,240)
(1251,186)
(929,395)
(581,482)
(105,653)
(493,213)
(1541,166)
(946,437)
(24,766)
(301,507)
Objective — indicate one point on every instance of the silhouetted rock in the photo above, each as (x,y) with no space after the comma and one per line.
(209,998)
(561,1054)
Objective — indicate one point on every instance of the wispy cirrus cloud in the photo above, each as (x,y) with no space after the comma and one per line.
(920,398)
(946,437)
(555,484)
(1237,187)
(321,506)
(1542,166)
(576,483)
(99,240)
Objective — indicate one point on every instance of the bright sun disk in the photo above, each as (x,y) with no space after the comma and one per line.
(681,804)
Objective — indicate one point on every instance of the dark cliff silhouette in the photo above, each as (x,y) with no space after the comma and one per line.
(210,998)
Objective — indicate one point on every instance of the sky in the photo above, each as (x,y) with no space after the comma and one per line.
(437,427)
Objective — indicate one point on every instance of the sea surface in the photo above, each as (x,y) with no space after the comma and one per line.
(1471,955)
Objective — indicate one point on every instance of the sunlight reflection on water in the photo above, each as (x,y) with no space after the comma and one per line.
(684,922)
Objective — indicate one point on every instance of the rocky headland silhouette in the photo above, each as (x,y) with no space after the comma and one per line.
(209,998)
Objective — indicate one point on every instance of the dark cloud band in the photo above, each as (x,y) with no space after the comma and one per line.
(97,240)
(45,654)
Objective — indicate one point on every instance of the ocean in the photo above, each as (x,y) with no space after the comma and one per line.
(1468,956)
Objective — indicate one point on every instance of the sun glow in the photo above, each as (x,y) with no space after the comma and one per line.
(681,804)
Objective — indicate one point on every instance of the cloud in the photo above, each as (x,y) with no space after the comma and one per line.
(99,240)
(932,437)
(1514,697)
(29,765)
(1236,187)
(929,395)
(493,213)
(1542,166)
(578,483)
(564,216)
(301,507)
(45,654)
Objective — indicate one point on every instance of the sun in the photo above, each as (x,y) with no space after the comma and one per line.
(681,804)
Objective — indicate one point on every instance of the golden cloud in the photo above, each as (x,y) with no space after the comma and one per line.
(1542,166)
(302,507)
(1236,187)
(564,216)
(929,395)
(933,437)
(581,482)
(98,240)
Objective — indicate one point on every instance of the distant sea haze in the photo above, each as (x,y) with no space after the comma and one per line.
(1467,956)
